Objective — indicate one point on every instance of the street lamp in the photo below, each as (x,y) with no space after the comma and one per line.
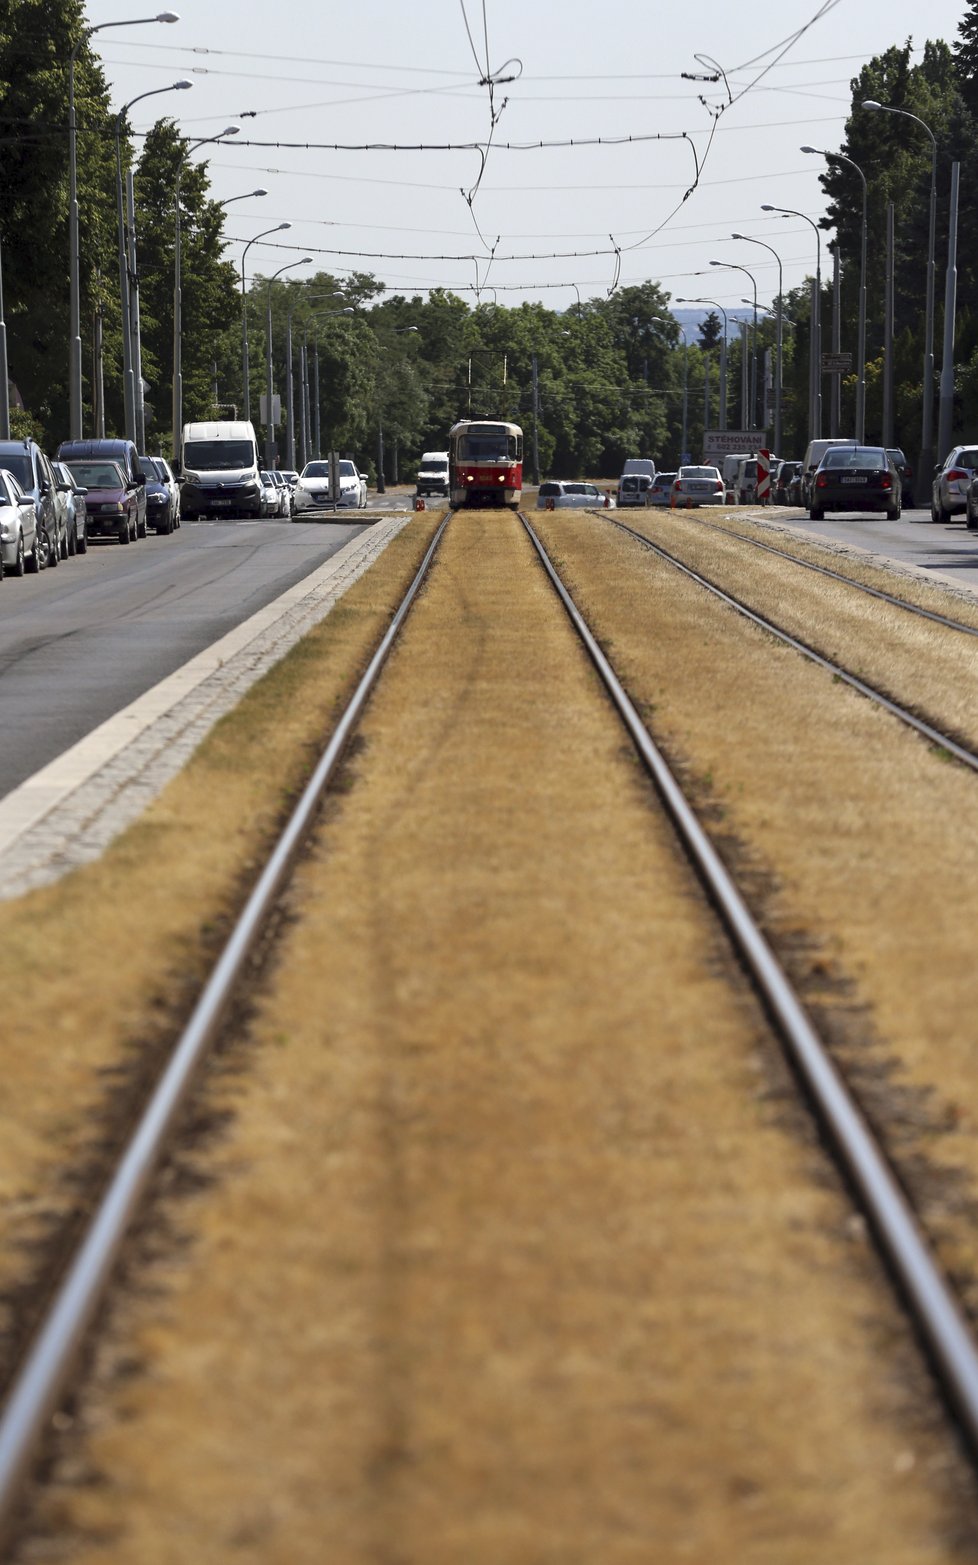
(670,320)
(926,461)
(127,276)
(723,354)
(396,331)
(749,239)
(177,406)
(323,315)
(245,372)
(840,157)
(270,420)
(74,275)
(815,325)
(734,267)
(245,196)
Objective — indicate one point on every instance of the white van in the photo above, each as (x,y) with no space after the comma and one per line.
(219,473)
(433,473)
(813,456)
(729,473)
(639,464)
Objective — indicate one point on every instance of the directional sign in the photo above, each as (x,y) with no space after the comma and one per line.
(836,363)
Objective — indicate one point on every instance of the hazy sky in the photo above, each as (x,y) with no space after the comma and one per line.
(406,73)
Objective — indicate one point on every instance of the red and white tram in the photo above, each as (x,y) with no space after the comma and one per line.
(485,464)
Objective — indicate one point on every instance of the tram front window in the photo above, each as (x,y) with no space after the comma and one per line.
(489,448)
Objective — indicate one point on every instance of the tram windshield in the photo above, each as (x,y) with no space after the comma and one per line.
(490,445)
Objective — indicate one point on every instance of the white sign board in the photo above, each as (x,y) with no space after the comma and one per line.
(276,408)
(729,442)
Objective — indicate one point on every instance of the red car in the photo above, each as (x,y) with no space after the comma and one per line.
(111,504)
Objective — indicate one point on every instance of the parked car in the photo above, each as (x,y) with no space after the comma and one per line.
(558,494)
(660,489)
(168,478)
(74,496)
(781,483)
(906,473)
(694,486)
(125,456)
(110,502)
(794,487)
(633,488)
(33,471)
(949,492)
(21,548)
(284,489)
(312,488)
(813,455)
(159,504)
(728,472)
(855,478)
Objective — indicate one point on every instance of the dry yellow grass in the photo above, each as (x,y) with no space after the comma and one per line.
(135,932)
(519,1250)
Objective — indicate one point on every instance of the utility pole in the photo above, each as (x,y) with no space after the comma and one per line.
(888,330)
(536,420)
(835,406)
(946,405)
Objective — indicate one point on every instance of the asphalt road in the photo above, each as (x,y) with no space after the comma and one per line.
(79,643)
(944,549)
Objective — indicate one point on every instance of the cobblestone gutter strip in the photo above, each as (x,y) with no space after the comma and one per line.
(67,813)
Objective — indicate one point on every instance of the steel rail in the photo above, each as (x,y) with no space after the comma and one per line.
(936,736)
(934,1308)
(860,586)
(42,1377)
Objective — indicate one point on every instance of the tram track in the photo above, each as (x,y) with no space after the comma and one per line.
(932,1303)
(952,744)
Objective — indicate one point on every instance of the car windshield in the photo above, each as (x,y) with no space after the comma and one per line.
(963,459)
(861,456)
(267,478)
(218,455)
(899,460)
(97,475)
(19,463)
(146,466)
(316,470)
(662,479)
(435,464)
(700,472)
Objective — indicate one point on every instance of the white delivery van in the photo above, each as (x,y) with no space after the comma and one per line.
(639,464)
(728,473)
(433,473)
(219,474)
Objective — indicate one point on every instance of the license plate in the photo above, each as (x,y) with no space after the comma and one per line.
(854,480)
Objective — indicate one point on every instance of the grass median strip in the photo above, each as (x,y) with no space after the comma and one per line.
(101,967)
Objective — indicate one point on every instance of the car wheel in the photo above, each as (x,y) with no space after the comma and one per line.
(970,518)
(815,513)
(125,532)
(141,531)
(17,569)
(51,550)
(81,544)
(894,514)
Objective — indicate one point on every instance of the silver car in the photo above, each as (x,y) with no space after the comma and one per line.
(558,494)
(949,493)
(21,546)
(698,486)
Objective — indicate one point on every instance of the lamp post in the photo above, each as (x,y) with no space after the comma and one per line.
(177,404)
(270,421)
(815,327)
(323,315)
(723,355)
(925,462)
(245,372)
(840,157)
(749,239)
(4,377)
(734,267)
(74,273)
(671,321)
(396,331)
(126,275)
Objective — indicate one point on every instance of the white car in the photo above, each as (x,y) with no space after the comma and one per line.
(558,494)
(698,486)
(271,495)
(20,541)
(312,488)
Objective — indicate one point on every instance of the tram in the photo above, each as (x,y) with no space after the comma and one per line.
(485,464)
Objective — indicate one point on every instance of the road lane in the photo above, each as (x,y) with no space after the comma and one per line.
(80,643)
(944,550)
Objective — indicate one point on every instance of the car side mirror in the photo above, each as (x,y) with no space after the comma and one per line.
(141,480)
(64,489)
(80,493)
(25,499)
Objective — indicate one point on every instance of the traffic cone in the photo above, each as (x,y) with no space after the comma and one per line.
(418,503)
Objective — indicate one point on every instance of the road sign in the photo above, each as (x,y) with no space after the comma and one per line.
(763,477)
(276,408)
(730,442)
(836,363)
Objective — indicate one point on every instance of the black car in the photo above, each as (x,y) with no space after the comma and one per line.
(780,489)
(158,499)
(906,473)
(855,478)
